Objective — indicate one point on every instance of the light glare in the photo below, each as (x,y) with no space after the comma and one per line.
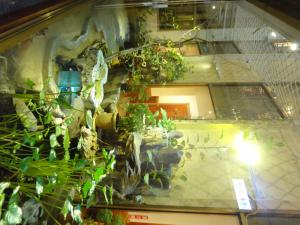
(294,46)
(273,34)
(248,151)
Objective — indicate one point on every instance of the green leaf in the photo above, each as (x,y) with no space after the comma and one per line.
(163,114)
(52,155)
(53,141)
(77,214)
(174,142)
(67,145)
(58,130)
(160,182)
(80,164)
(86,91)
(63,103)
(105,194)
(89,119)
(111,164)
(36,154)
(2,197)
(68,207)
(16,147)
(149,153)
(105,216)
(39,185)
(99,174)
(25,163)
(86,188)
(111,192)
(48,118)
(91,201)
(3,186)
(104,153)
(14,198)
(68,121)
(13,214)
(156,114)
(39,136)
(52,179)
(146,178)
(2,222)
(42,97)
(28,140)
(29,84)
(80,142)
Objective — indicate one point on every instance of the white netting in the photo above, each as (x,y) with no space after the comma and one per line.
(272,56)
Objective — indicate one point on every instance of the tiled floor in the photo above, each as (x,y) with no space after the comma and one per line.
(273,221)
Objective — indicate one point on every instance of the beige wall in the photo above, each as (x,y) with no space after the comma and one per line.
(197,96)
(218,69)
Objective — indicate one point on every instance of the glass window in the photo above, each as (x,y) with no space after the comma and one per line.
(236,102)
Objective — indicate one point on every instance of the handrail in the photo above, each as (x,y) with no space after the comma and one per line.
(22,28)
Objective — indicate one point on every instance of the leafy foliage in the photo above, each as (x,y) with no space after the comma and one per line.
(164,122)
(139,117)
(41,164)
(107,217)
(154,63)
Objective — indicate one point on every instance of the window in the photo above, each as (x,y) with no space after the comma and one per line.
(243,102)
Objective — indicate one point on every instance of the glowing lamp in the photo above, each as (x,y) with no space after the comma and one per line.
(248,152)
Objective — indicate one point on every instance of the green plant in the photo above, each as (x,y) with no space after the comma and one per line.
(154,63)
(138,117)
(165,122)
(142,33)
(109,218)
(105,216)
(118,220)
(43,165)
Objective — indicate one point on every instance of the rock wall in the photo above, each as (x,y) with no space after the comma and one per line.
(34,58)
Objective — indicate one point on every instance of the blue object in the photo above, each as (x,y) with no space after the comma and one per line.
(69,83)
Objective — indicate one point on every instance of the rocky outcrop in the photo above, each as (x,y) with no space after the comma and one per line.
(150,155)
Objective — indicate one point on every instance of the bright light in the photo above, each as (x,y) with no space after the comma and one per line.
(289,110)
(213,7)
(273,34)
(248,151)
(205,66)
(294,46)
